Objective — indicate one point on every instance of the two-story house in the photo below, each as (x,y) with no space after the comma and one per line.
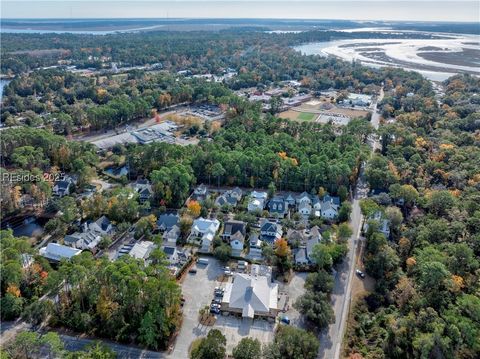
(277,207)
(270,231)
(257,201)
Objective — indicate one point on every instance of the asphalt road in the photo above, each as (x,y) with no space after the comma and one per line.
(123,351)
(331,338)
(73,343)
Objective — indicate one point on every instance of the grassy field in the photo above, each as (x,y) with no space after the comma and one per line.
(306,116)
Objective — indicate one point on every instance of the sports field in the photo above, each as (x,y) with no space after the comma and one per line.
(306,116)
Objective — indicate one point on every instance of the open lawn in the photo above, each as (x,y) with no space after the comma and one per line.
(306,116)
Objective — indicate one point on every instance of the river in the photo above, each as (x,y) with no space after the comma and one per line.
(436,59)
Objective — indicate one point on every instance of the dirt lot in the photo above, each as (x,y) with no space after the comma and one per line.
(361,286)
(290,114)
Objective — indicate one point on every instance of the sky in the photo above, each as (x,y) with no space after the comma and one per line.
(422,10)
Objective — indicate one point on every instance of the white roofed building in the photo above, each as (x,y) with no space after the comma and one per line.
(251,295)
(56,252)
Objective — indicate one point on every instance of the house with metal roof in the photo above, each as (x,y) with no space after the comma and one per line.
(56,252)
(257,201)
(203,232)
(142,250)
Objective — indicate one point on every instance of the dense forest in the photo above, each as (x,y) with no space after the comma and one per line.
(426,302)
(198,51)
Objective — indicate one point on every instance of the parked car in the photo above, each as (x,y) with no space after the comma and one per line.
(193,271)
(216,301)
(215,310)
(202,261)
(360,273)
(284,319)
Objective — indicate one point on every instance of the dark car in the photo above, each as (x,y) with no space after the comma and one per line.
(193,271)
(214,310)
(360,273)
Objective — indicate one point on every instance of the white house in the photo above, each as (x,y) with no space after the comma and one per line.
(303,198)
(257,201)
(329,207)
(142,250)
(203,232)
(92,234)
(56,252)
(172,235)
(383,223)
(305,209)
(236,242)
(255,248)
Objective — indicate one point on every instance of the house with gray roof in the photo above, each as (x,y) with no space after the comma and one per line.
(255,248)
(200,193)
(91,235)
(167,221)
(303,197)
(237,242)
(172,235)
(232,227)
(144,190)
(383,223)
(229,198)
(65,186)
(277,206)
(303,254)
(270,231)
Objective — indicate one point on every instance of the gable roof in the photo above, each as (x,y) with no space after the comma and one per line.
(167,221)
(302,195)
(251,294)
(103,222)
(141,250)
(259,195)
(57,252)
(330,199)
(232,227)
(203,225)
(169,250)
(62,185)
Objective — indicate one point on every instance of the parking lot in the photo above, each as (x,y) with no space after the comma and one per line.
(197,290)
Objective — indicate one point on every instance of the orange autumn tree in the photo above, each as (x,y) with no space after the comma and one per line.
(281,248)
(194,208)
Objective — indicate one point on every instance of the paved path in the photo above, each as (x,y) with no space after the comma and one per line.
(331,338)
